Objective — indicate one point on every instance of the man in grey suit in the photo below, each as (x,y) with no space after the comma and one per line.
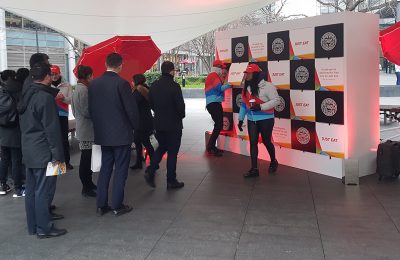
(114,114)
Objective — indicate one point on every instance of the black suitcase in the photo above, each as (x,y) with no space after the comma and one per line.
(388,159)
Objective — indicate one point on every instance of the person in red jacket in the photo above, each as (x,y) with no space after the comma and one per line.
(214,91)
(63,100)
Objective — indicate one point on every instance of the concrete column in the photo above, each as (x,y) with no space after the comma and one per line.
(398,11)
(3,42)
(71,61)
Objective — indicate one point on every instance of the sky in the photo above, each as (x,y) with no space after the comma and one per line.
(307,7)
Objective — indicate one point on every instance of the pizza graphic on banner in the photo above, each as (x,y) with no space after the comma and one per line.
(303,136)
(227,123)
(278,46)
(329,41)
(236,99)
(302,74)
(329,107)
(240,49)
(282,110)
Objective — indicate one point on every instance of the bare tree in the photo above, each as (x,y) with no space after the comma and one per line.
(358,5)
(204,46)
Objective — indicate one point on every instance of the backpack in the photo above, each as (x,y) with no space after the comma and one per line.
(8,109)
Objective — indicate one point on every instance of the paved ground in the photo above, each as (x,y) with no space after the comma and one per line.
(387,79)
(218,215)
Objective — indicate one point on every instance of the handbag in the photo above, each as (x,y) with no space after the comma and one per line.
(95,165)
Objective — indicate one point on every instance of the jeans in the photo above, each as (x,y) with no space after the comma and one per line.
(168,142)
(120,157)
(64,134)
(11,156)
(264,127)
(216,112)
(398,78)
(37,200)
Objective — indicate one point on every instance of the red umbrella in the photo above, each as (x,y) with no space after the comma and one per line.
(139,53)
(390,43)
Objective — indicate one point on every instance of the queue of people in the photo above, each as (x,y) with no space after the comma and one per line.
(109,113)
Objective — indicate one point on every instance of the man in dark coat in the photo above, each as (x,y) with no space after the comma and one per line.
(35,59)
(10,141)
(41,144)
(167,102)
(114,114)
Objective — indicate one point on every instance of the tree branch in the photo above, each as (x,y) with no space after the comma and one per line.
(338,8)
(378,7)
(354,5)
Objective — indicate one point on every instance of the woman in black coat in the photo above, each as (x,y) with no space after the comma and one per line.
(10,140)
(146,128)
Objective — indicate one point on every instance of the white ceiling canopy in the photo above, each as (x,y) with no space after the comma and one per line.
(169,22)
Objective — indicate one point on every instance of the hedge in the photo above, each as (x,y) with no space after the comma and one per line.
(153,76)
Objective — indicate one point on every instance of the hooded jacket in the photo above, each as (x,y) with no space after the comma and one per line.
(63,104)
(40,127)
(214,87)
(11,136)
(267,98)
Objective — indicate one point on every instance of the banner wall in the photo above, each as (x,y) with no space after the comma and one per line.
(307,61)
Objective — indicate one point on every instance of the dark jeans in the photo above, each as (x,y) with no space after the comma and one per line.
(64,134)
(120,157)
(216,112)
(265,128)
(142,139)
(398,78)
(11,156)
(168,142)
(37,200)
(85,172)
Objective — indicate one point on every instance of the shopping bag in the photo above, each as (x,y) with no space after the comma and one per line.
(55,169)
(153,141)
(96,158)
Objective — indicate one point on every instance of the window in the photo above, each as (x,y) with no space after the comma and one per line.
(30,25)
(13,21)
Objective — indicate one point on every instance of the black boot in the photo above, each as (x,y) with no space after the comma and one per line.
(88,193)
(253,172)
(273,166)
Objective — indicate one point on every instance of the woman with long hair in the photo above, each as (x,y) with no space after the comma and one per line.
(84,129)
(259,98)
(146,128)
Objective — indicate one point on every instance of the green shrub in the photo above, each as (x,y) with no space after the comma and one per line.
(151,77)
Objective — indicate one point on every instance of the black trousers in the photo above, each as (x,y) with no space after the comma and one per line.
(37,199)
(216,112)
(142,139)
(11,156)
(85,172)
(264,127)
(168,142)
(120,157)
(64,134)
